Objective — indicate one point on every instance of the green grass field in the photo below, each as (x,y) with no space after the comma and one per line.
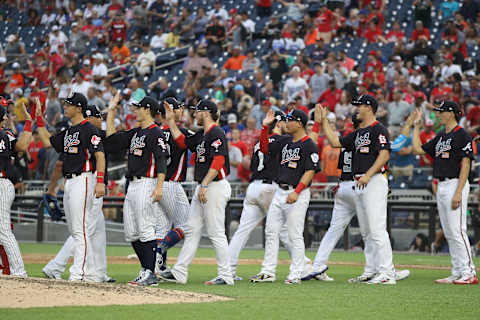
(414,298)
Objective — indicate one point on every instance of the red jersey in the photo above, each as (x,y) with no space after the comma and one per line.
(264,3)
(416,34)
(324,21)
(424,138)
(307,74)
(119,30)
(441,93)
(330,98)
(395,35)
(2,85)
(56,61)
(242,146)
(43,98)
(473,116)
(371,35)
(33,150)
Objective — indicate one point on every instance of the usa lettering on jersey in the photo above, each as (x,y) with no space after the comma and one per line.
(443,147)
(70,142)
(362,143)
(137,144)
(290,156)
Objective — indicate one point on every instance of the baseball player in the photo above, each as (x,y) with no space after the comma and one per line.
(452,155)
(259,195)
(175,203)
(343,212)
(146,172)
(371,152)
(9,144)
(81,150)
(298,163)
(57,265)
(211,195)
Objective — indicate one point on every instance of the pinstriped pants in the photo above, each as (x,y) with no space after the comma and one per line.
(7,239)
(174,207)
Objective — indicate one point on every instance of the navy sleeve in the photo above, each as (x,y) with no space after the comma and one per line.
(275,146)
(381,140)
(4,146)
(429,147)
(94,139)
(57,141)
(193,140)
(118,141)
(217,143)
(348,141)
(465,149)
(311,156)
(158,145)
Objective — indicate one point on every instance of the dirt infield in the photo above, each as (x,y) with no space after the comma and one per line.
(36,292)
(44,258)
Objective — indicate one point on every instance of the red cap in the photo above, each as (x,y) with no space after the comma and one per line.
(267,102)
(449,56)
(3,102)
(112,184)
(420,94)
(233,11)
(372,53)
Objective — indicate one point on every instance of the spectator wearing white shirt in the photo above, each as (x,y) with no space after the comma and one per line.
(218,11)
(295,43)
(49,17)
(101,8)
(145,60)
(88,13)
(296,86)
(79,85)
(235,156)
(449,69)
(159,40)
(56,38)
(99,71)
(416,76)
(247,23)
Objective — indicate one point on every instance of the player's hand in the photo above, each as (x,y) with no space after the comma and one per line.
(202,195)
(270,117)
(157,194)
(292,197)
(362,182)
(323,112)
(27,115)
(99,190)
(418,116)
(113,103)
(169,114)
(318,113)
(38,111)
(456,200)
(37,102)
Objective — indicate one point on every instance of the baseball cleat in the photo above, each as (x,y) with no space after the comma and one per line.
(324,277)
(167,276)
(382,279)
(361,278)
(262,277)
(467,280)
(149,279)
(314,275)
(447,280)
(217,281)
(401,274)
(51,275)
(293,281)
(237,278)
(159,264)
(109,280)
(138,278)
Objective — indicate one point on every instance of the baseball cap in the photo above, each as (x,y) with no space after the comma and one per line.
(174,102)
(92,111)
(86,62)
(232,118)
(397,58)
(367,100)
(296,68)
(18,91)
(419,95)
(238,87)
(331,117)
(448,106)
(55,28)
(429,123)
(280,116)
(207,105)
(267,102)
(297,115)
(353,74)
(11,38)
(77,99)
(15,65)
(3,102)
(74,24)
(148,103)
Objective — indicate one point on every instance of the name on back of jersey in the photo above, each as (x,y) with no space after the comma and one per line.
(362,142)
(290,156)
(442,148)
(137,144)
(71,142)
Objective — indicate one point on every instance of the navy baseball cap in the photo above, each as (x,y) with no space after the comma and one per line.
(448,106)
(297,115)
(280,116)
(207,105)
(174,102)
(92,111)
(146,103)
(366,99)
(77,99)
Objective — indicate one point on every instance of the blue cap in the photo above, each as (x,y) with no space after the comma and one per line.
(238,87)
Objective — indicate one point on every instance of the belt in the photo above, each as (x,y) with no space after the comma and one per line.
(346,180)
(73,175)
(446,179)
(267,181)
(285,186)
(134,178)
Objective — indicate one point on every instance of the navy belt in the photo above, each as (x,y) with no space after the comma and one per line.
(446,179)
(285,186)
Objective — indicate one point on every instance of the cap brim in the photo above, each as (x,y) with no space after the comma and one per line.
(439,109)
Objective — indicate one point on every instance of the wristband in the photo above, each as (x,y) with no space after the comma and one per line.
(204,187)
(28,126)
(100,180)
(40,122)
(100,174)
(316,127)
(299,188)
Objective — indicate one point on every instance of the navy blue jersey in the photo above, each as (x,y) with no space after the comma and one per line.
(296,157)
(345,163)
(7,151)
(77,145)
(448,150)
(367,144)
(264,166)
(146,147)
(177,154)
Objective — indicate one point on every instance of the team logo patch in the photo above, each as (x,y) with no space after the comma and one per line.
(161,143)
(138,152)
(216,144)
(96,140)
(445,155)
(292,164)
(314,157)
(88,113)
(73,150)
(382,139)
(468,148)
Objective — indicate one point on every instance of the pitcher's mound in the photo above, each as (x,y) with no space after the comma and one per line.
(37,292)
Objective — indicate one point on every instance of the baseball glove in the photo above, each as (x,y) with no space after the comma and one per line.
(51,207)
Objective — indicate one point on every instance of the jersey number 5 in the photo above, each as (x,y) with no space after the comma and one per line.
(261,159)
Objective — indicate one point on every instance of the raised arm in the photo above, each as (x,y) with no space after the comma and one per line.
(267,122)
(26,136)
(112,112)
(329,133)
(416,143)
(318,120)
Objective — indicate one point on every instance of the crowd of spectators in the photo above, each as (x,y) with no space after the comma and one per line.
(300,67)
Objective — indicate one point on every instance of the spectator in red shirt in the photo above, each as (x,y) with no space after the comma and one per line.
(426,135)
(331,96)
(36,93)
(3,80)
(33,150)
(264,8)
(56,62)
(373,62)
(118,27)
(114,8)
(420,31)
(396,34)
(39,69)
(441,92)
(325,22)
(473,119)
(238,142)
(376,16)
(306,72)
(373,33)
(16,79)
(86,70)
(251,134)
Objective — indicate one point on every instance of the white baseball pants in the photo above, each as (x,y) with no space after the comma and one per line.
(255,207)
(454,225)
(7,238)
(371,206)
(293,215)
(81,220)
(212,215)
(175,206)
(99,242)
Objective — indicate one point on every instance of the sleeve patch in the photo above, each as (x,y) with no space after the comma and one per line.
(95,140)
(382,139)
(468,148)
(314,157)
(216,144)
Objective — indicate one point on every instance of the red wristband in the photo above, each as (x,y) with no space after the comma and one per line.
(299,188)
(28,126)
(100,180)
(40,122)
(316,127)
(100,174)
